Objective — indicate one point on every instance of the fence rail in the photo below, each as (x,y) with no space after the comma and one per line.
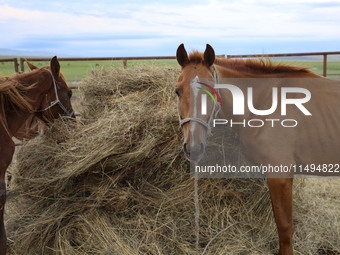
(324,54)
(126,59)
(14,60)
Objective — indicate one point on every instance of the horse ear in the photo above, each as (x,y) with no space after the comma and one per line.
(209,55)
(31,66)
(55,67)
(182,56)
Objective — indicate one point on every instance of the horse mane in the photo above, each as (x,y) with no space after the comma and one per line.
(196,57)
(251,66)
(12,95)
(261,66)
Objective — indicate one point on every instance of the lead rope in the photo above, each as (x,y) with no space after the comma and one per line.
(197,212)
(196,195)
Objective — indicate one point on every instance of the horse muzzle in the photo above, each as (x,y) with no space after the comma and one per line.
(194,153)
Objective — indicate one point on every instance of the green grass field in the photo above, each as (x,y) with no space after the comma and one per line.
(75,71)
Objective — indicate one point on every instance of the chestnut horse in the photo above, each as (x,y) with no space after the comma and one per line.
(33,126)
(43,92)
(312,141)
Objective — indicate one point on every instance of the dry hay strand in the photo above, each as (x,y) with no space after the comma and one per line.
(108,89)
(118,183)
(317,218)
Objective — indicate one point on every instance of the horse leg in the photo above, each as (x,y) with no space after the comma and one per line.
(281,196)
(5,160)
(3,238)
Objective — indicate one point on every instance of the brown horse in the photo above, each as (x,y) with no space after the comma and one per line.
(33,126)
(315,140)
(43,92)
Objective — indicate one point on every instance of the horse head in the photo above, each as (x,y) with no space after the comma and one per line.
(196,68)
(56,100)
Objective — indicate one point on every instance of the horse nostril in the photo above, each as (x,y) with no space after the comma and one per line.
(185,149)
(202,148)
(199,150)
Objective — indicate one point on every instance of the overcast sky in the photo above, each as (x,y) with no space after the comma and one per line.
(156,28)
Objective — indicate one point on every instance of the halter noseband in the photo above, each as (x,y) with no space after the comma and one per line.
(198,120)
(56,101)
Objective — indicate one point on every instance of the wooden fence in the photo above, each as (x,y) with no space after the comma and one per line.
(126,59)
(14,60)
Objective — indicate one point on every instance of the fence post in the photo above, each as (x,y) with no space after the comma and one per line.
(325,65)
(125,63)
(22,64)
(16,66)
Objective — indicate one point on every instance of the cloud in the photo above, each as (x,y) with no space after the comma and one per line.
(92,23)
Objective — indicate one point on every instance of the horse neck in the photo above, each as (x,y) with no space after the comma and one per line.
(233,77)
(42,80)
(16,117)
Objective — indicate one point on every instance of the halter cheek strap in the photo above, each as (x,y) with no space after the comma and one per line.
(213,113)
(200,121)
(56,101)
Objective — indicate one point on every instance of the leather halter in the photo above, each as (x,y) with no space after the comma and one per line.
(214,110)
(56,101)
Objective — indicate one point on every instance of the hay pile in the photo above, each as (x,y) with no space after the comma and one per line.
(119,184)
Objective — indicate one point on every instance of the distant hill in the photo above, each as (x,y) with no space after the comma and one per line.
(24,53)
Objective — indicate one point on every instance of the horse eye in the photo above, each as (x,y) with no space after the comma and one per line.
(69,93)
(177,92)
